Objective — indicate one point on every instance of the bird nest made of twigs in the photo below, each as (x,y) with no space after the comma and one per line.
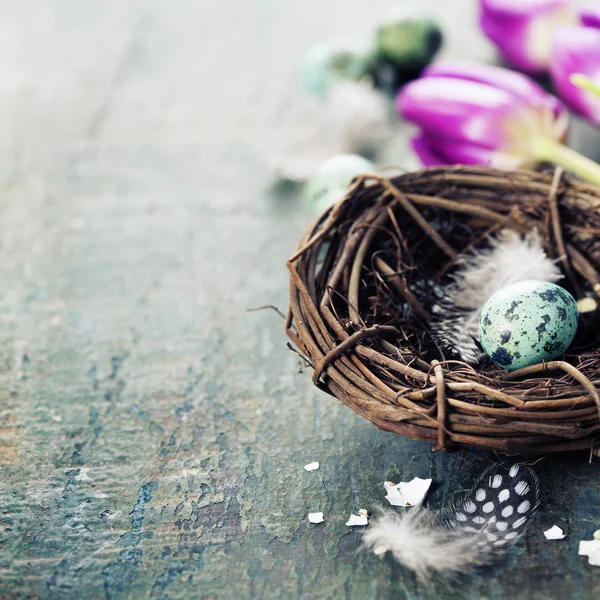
(360,307)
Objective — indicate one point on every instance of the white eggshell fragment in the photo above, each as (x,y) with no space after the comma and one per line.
(591,549)
(410,493)
(554,533)
(313,466)
(358,520)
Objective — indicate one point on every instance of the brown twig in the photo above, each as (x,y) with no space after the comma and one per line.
(400,285)
(266,307)
(421,222)
(558,234)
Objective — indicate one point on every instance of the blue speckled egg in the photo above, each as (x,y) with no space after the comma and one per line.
(527,323)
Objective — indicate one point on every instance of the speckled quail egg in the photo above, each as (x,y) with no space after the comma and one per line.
(527,323)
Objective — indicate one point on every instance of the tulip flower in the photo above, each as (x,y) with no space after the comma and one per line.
(479,114)
(589,14)
(522,30)
(576,50)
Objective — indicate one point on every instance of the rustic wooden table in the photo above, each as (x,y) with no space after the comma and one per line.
(153,433)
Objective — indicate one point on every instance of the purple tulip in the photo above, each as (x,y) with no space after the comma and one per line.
(589,15)
(576,50)
(474,114)
(522,29)
(479,114)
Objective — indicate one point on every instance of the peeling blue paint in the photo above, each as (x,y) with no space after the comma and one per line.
(121,574)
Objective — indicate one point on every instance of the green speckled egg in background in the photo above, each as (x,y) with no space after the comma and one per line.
(328,63)
(527,323)
(330,181)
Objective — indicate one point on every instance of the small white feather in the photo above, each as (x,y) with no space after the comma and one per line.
(511,257)
(353,120)
(418,542)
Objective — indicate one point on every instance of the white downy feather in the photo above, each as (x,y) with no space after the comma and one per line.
(417,541)
(511,257)
(352,120)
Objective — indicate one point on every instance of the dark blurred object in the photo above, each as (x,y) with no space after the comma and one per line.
(403,49)
(389,78)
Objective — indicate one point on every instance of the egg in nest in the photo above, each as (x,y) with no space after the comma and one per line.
(527,323)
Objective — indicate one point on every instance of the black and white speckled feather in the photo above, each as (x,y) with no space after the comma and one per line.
(498,508)
(475,531)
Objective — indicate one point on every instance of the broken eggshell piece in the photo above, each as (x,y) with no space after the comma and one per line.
(313,466)
(411,493)
(360,520)
(316,517)
(591,549)
(554,533)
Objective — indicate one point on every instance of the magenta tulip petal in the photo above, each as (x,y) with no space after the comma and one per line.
(522,29)
(589,15)
(450,153)
(459,109)
(520,8)
(516,83)
(469,114)
(426,154)
(511,39)
(476,114)
(577,50)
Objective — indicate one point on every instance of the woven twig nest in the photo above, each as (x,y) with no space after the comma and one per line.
(360,308)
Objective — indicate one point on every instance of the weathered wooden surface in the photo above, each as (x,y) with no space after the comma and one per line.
(153,432)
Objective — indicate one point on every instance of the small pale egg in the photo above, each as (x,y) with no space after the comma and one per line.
(330,181)
(527,323)
(328,63)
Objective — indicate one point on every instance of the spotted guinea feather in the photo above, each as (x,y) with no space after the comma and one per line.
(475,531)
(497,509)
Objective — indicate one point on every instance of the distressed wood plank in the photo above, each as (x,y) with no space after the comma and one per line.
(153,432)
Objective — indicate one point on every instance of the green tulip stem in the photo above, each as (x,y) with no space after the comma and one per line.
(547,150)
(585,83)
